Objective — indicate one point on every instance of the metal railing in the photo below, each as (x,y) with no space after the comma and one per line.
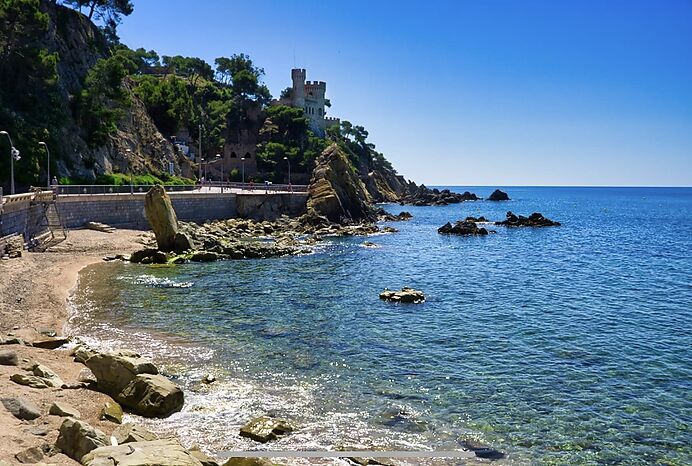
(214,186)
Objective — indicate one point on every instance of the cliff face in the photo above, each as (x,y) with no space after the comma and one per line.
(79,45)
(336,192)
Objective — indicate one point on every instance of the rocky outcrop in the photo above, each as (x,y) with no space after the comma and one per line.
(77,438)
(498,195)
(161,216)
(463,228)
(424,196)
(406,295)
(336,193)
(536,219)
(166,452)
(265,428)
(152,395)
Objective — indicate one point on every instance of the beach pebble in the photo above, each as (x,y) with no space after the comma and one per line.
(30,456)
(8,358)
(21,408)
(63,410)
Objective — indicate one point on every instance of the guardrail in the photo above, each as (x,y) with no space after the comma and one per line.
(76,190)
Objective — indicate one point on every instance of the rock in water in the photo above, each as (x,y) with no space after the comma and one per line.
(167,452)
(21,408)
(264,428)
(152,396)
(336,193)
(465,228)
(536,219)
(406,295)
(161,216)
(77,438)
(498,195)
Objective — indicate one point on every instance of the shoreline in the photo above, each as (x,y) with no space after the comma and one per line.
(35,294)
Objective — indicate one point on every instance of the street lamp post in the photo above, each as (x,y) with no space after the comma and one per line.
(289,172)
(199,156)
(218,156)
(242,160)
(14,155)
(129,164)
(45,146)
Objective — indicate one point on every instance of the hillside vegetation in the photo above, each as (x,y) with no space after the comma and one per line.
(107,112)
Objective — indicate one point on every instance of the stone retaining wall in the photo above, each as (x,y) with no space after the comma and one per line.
(127,210)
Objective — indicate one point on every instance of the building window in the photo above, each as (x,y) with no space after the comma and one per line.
(234,155)
(247,155)
(319,111)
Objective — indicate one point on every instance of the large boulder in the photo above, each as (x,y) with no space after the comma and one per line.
(167,452)
(161,216)
(152,395)
(115,370)
(336,193)
(77,438)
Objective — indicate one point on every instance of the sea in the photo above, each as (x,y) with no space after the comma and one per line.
(552,346)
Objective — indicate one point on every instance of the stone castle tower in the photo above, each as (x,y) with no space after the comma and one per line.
(309,95)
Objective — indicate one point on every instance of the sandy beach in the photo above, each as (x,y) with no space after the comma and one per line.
(33,298)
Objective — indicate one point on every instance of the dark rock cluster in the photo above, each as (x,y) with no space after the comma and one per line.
(424,196)
(464,228)
(536,219)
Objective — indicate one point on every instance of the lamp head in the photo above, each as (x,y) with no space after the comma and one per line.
(3,132)
(41,143)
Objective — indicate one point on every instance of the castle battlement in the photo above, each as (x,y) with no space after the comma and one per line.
(309,95)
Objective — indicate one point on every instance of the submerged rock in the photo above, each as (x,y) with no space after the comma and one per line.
(498,195)
(536,219)
(406,295)
(265,428)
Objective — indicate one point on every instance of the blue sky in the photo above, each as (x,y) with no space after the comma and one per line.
(472,92)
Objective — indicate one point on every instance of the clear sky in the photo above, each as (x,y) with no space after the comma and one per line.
(472,92)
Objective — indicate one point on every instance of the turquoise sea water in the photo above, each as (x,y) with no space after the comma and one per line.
(566,345)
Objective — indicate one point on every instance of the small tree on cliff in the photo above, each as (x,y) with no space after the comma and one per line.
(105,10)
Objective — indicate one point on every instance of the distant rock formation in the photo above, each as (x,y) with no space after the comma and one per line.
(424,196)
(536,219)
(498,195)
